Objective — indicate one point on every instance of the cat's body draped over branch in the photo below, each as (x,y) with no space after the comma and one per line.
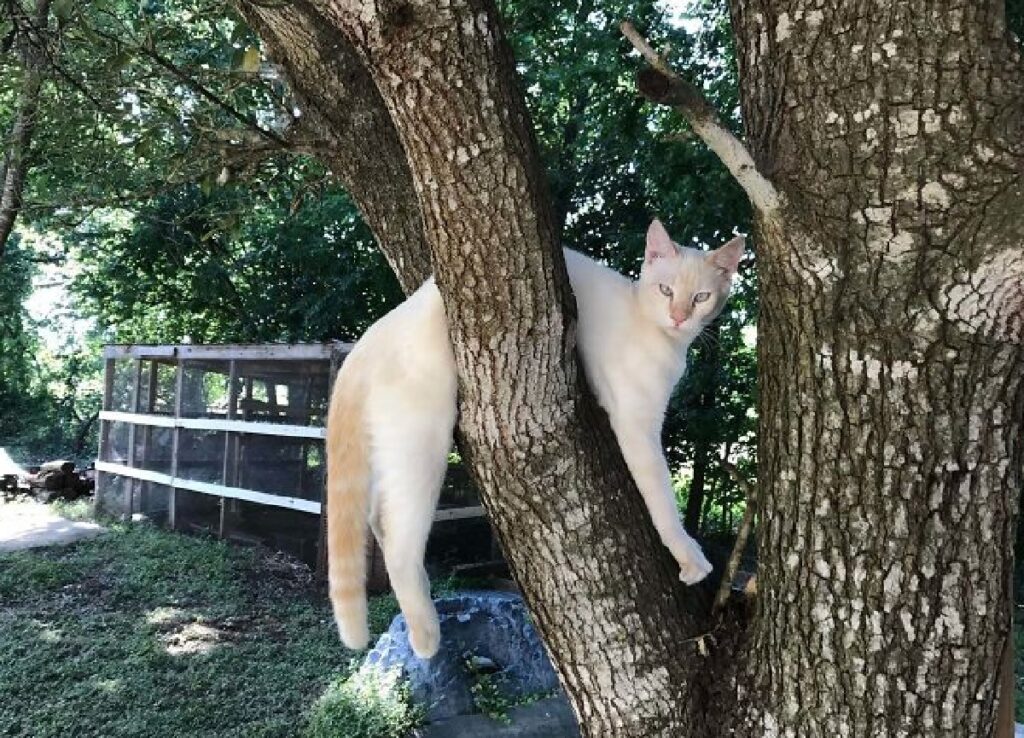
(394,407)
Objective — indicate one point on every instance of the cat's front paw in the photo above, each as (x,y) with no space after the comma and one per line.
(693,565)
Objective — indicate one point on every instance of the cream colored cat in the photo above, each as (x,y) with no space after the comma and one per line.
(392,413)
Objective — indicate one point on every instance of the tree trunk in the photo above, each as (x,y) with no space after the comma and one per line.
(890,351)
(702,446)
(695,500)
(32,43)
(78,445)
(604,593)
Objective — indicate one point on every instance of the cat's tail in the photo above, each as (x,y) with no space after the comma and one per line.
(348,500)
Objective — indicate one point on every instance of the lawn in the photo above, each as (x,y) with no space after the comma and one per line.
(142,632)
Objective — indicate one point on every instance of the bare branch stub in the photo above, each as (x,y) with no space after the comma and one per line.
(675,92)
(661,84)
(741,536)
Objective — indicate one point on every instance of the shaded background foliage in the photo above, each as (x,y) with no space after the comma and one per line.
(174,171)
(229,267)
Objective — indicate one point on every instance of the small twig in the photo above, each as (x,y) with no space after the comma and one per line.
(702,640)
(147,49)
(661,84)
(741,481)
(746,523)
(211,96)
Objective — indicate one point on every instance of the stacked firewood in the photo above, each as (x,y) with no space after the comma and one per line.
(60,480)
(10,486)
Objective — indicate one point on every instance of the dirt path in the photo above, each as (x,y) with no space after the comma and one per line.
(27,524)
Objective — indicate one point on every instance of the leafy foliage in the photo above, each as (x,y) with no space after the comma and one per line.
(19,396)
(366,705)
(47,401)
(143,98)
(232,266)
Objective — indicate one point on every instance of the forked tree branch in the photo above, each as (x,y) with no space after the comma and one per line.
(661,84)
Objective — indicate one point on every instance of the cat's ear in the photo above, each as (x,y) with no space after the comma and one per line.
(726,258)
(659,245)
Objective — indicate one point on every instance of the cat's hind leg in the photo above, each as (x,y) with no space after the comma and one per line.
(410,459)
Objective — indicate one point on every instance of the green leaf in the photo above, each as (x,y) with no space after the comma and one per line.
(144,146)
(120,60)
(250,60)
(62,9)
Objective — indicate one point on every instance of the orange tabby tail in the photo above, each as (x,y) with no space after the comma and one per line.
(348,483)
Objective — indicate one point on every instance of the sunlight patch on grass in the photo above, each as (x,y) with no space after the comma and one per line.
(109,686)
(49,634)
(164,616)
(197,637)
(193,638)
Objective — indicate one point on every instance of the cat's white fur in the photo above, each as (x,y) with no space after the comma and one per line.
(393,412)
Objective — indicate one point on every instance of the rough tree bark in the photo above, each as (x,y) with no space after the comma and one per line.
(886,164)
(891,348)
(32,40)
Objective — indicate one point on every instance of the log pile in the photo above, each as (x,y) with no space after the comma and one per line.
(12,477)
(60,480)
(10,486)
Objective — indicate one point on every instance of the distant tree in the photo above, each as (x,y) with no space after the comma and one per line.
(28,30)
(18,342)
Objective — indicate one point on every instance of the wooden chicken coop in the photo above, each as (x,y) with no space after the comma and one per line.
(229,440)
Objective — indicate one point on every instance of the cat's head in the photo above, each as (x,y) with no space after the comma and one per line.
(683,289)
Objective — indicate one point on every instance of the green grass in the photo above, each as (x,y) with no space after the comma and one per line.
(143,632)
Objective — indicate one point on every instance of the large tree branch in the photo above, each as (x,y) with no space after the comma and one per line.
(342,103)
(661,84)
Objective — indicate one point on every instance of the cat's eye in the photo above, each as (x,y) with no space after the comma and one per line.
(665,290)
(701,297)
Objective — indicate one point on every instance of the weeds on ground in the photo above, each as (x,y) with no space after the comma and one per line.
(365,705)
